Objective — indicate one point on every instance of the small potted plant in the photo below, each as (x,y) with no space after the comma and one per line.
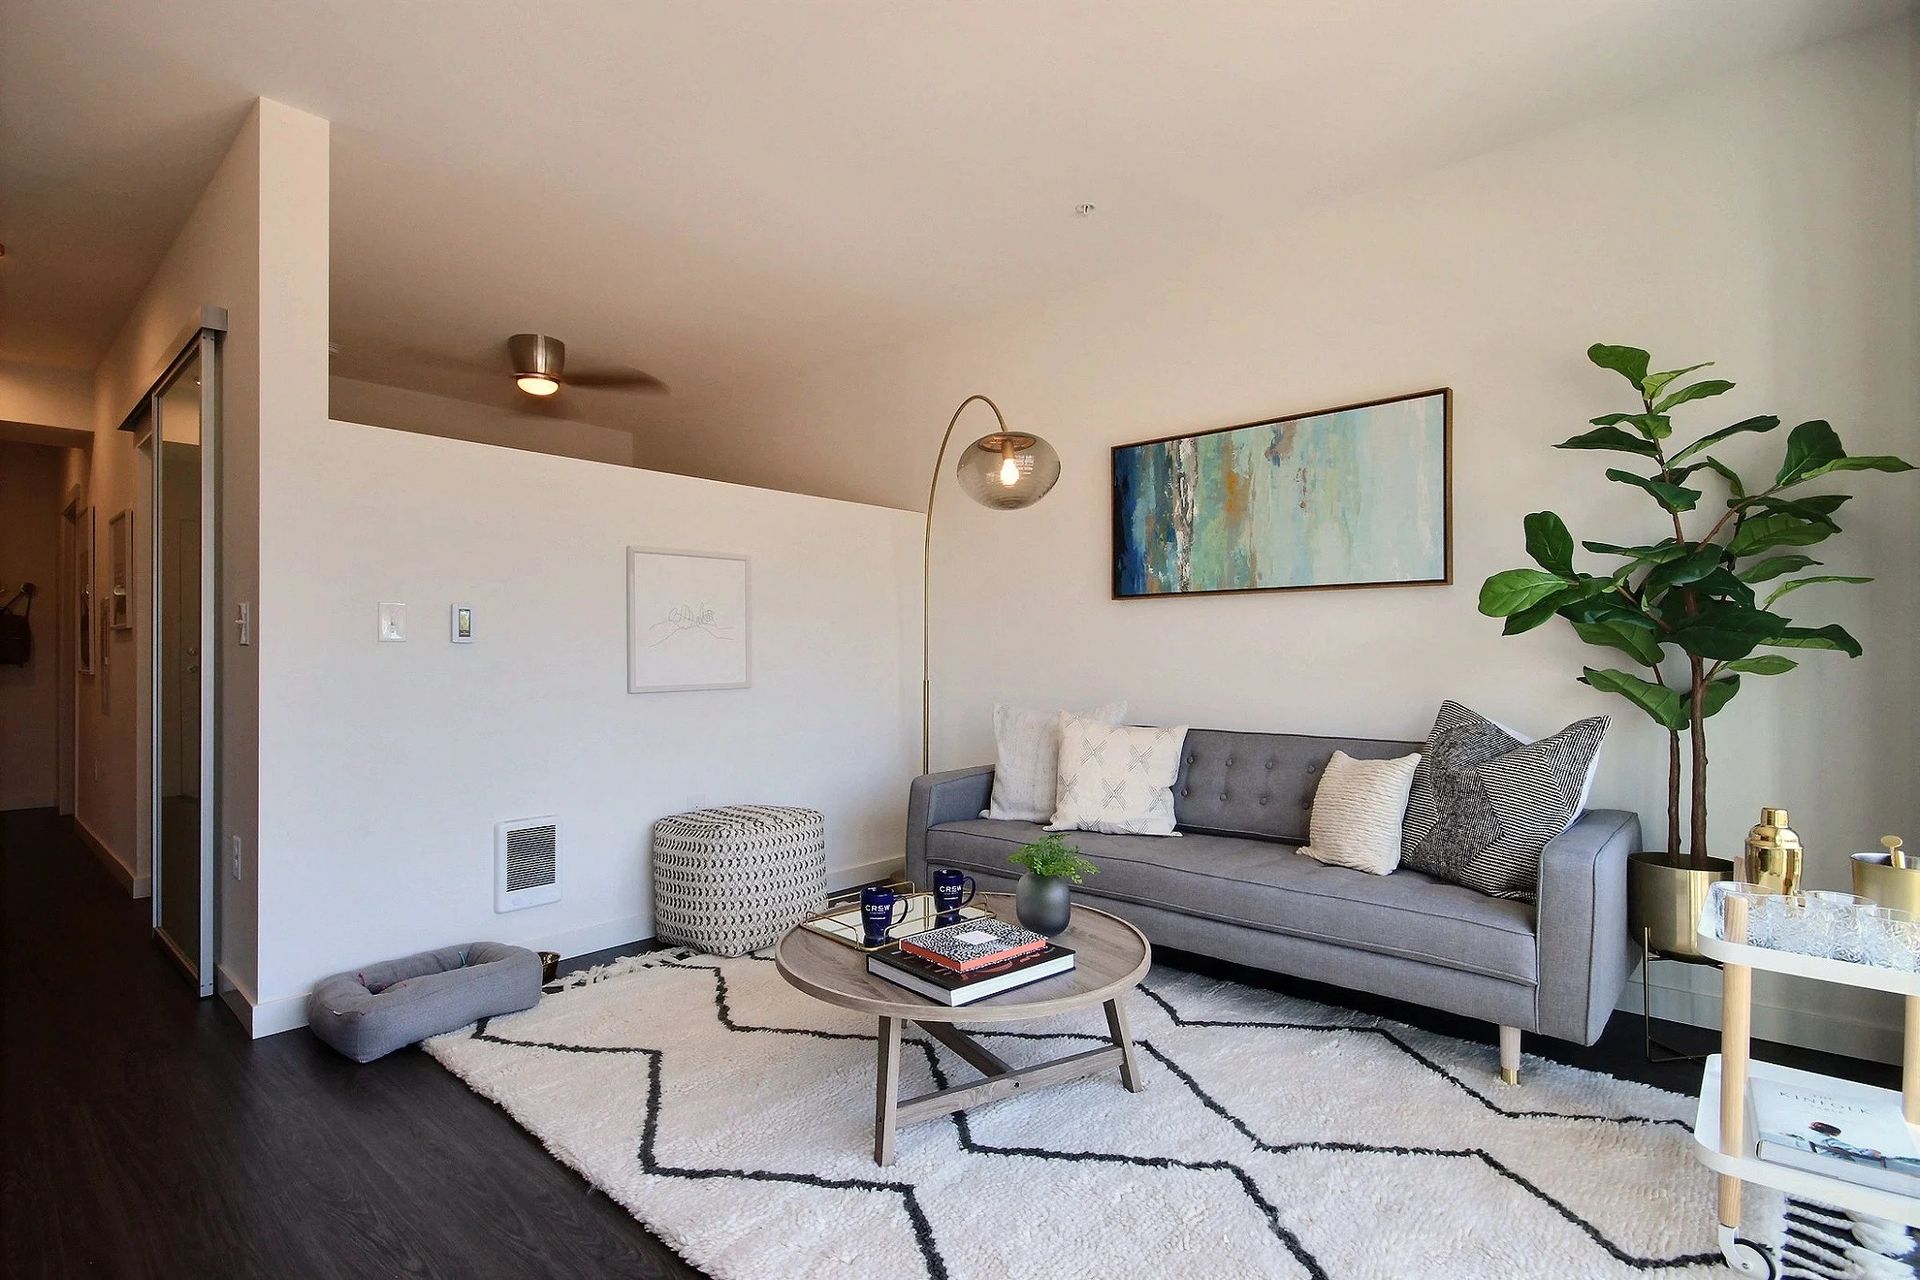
(1049,865)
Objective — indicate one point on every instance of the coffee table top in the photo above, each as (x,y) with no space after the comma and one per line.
(1110,956)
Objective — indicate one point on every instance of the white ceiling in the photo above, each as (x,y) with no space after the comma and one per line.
(728,192)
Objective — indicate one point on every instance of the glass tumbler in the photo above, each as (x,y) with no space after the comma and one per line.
(1753,895)
(1835,924)
(1781,921)
(1890,938)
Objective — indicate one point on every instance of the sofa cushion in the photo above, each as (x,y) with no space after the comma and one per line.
(1264,885)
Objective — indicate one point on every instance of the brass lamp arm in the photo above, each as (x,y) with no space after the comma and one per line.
(926,579)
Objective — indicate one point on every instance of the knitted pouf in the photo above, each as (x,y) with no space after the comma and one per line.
(732,880)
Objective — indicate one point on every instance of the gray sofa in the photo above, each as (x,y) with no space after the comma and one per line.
(1233,888)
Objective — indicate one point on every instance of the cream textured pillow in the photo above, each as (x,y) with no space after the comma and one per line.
(1116,779)
(1028,757)
(1358,812)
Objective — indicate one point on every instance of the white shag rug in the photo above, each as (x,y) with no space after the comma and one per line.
(733,1115)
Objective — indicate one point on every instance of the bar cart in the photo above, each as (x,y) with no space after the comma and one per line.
(1721,1130)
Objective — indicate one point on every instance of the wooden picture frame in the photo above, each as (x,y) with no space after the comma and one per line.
(1358,495)
(119,599)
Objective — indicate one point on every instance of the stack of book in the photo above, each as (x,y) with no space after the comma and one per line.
(970,961)
(1871,1145)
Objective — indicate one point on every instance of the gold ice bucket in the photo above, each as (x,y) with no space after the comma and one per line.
(1875,876)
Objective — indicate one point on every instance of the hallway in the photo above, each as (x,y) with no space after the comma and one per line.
(145,1135)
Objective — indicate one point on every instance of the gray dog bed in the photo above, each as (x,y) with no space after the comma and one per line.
(370,1012)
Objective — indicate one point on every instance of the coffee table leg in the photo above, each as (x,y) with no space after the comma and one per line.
(1123,1040)
(886,1092)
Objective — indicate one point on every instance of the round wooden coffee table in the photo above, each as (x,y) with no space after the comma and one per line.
(1110,957)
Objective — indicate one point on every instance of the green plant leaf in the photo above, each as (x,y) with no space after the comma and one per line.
(1653,553)
(1861,462)
(1736,487)
(1718,693)
(1721,584)
(1725,629)
(1654,383)
(1516,589)
(1811,445)
(1670,496)
(1610,437)
(1775,566)
(1695,565)
(1607,608)
(1829,637)
(1638,644)
(1661,703)
(1770,531)
(1766,422)
(1696,391)
(1629,362)
(1787,588)
(1766,664)
(1817,510)
(1549,543)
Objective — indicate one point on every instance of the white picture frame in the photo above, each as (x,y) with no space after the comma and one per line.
(689,621)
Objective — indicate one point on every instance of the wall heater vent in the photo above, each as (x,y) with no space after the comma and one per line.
(526,863)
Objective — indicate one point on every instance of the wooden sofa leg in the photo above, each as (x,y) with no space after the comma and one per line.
(1510,1055)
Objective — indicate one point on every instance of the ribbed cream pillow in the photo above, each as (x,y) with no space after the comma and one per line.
(1358,812)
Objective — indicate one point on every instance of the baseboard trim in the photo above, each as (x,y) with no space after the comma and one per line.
(136,886)
(237,998)
(1773,1019)
(860,873)
(590,938)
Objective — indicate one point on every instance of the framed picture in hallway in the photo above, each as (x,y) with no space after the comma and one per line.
(1354,496)
(687,621)
(120,571)
(84,637)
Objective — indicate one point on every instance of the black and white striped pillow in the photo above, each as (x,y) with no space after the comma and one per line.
(1485,803)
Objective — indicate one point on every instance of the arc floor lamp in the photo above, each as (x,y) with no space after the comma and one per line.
(1003,471)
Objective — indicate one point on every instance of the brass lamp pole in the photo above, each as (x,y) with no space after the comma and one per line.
(1004,471)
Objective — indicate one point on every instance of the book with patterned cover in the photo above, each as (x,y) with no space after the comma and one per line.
(973,944)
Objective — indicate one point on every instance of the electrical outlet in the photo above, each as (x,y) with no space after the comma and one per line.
(236,856)
(393,622)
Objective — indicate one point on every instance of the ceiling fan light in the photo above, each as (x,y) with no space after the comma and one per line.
(536,384)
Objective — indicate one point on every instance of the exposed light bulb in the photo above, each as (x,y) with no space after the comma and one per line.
(537,384)
(1009,472)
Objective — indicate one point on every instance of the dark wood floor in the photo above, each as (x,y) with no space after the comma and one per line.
(142,1134)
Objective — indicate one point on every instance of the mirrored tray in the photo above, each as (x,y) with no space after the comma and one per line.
(840,918)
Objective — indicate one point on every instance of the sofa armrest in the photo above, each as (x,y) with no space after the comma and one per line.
(1585,955)
(942,797)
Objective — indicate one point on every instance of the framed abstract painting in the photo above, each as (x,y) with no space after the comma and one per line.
(1355,496)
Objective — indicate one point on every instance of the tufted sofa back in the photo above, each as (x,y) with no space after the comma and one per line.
(1260,784)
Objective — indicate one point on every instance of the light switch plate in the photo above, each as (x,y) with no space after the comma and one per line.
(243,622)
(393,622)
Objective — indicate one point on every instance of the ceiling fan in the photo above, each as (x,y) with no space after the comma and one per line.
(540,369)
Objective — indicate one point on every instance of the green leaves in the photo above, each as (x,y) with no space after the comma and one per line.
(1664,705)
(1654,426)
(1765,422)
(1766,532)
(1697,391)
(1654,383)
(1670,496)
(1726,629)
(1653,553)
(1787,588)
(1865,462)
(1766,664)
(1636,642)
(1831,637)
(1774,567)
(1718,693)
(1549,543)
(1811,444)
(1629,362)
(1610,437)
(1508,593)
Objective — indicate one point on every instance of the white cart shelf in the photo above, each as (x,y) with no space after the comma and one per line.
(1723,1138)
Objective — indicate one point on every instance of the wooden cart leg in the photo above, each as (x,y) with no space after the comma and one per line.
(1910,1064)
(1123,1038)
(886,1091)
(1736,1035)
(1510,1055)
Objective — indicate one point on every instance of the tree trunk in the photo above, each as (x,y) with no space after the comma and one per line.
(1697,668)
(1673,795)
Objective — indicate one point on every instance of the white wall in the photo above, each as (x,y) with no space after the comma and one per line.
(1766,220)
(30,502)
(379,798)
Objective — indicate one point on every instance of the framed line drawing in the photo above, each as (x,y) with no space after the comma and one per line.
(1355,496)
(85,636)
(119,600)
(688,621)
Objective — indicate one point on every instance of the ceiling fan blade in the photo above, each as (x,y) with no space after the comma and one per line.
(615,379)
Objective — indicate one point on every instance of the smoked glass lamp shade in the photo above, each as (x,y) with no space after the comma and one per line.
(1008,470)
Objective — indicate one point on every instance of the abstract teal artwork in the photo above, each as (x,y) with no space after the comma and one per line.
(1351,497)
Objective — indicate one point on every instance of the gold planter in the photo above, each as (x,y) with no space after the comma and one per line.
(1874,876)
(1664,897)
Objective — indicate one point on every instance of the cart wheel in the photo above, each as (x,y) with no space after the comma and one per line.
(1746,1257)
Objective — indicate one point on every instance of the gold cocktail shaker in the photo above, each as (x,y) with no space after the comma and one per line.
(1772,858)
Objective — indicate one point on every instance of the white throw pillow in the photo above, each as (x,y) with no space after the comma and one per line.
(1027,749)
(1116,778)
(1358,812)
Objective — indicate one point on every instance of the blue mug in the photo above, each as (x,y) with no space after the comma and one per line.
(951,891)
(880,910)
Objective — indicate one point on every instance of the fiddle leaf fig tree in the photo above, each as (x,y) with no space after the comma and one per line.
(1685,611)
